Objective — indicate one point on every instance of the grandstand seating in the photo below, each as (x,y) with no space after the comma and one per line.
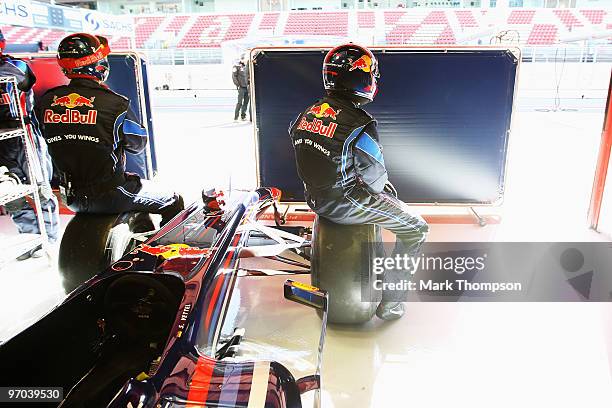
(366,19)
(176,24)
(145,27)
(394,26)
(119,43)
(446,37)
(402,34)
(268,21)
(594,16)
(50,37)
(568,18)
(542,34)
(27,35)
(321,23)
(211,30)
(521,16)
(436,17)
(393,17)
(466,18)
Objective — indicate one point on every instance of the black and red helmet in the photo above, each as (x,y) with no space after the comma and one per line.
(83,55)
(351,70)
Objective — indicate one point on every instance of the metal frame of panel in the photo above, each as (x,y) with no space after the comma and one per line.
(603,166)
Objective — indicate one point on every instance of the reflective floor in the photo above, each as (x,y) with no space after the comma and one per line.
(438,354)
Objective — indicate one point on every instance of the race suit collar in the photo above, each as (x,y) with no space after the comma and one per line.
(341,100)
(86,82)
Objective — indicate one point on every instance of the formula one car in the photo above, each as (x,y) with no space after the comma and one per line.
(146,332)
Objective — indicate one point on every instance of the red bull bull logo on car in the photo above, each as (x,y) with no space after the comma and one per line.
(364,63)
(324,111)
(173,250)
(71,116)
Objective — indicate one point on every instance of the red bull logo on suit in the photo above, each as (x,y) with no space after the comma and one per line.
(73,100)
(70,115)
(324,111)
(317,126)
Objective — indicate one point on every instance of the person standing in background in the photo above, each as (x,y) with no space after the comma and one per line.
(240,76)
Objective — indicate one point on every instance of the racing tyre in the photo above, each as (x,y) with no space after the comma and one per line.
(93,241)
(341,263)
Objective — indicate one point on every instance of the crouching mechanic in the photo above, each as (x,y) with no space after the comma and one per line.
(13,154)
(340,160)
(89,128)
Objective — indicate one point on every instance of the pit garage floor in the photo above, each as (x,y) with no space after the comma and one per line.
(440,354)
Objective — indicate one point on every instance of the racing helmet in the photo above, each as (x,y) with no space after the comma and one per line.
(2,42)
(351,70)
(83,55)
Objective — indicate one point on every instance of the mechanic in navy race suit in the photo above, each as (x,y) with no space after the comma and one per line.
(12,151)
(88,129)
(340,160)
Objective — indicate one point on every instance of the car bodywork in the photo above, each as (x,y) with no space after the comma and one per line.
(162,307)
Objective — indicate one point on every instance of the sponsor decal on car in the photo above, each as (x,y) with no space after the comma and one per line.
(184,315)
(5,99)
(305,286)
(173,250)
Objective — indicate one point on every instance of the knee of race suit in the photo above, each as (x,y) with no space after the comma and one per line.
(424,229)
(412,242)
(420,228)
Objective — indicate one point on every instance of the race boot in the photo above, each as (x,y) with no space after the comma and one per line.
(390,310)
